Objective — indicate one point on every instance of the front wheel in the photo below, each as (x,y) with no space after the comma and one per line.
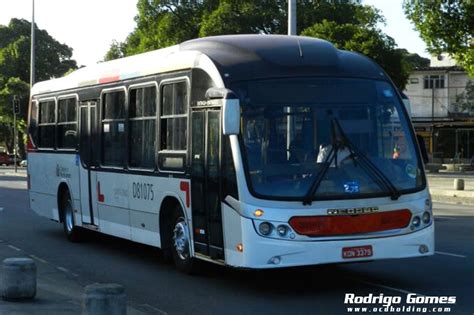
(72,231)
(181,244)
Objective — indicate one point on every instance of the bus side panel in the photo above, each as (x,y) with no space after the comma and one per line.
(47,171)
(146,195)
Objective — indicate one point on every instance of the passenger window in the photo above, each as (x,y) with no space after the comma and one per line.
(174,126)
(142,127)
(67,123)
(113,128)
(46,126)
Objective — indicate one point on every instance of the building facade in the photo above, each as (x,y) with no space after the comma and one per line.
(446,126)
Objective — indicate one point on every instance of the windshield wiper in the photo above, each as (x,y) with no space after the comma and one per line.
(357,156)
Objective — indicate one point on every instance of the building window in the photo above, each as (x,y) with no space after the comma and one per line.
(433,81)
(174,125)
(47,122)
(113,128)
(67,123)
(142,127)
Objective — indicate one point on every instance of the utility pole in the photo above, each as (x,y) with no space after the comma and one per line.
(32,56)
(291,17)
(16,110)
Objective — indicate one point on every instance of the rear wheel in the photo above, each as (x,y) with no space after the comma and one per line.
(181,243)
(72,232)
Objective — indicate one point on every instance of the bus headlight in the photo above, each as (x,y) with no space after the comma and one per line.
(426,217)
(265,228)
(282,230)
(416,221)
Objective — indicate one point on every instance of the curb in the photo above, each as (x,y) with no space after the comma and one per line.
(19,174)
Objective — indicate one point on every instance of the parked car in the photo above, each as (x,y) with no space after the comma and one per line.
(24,163)
(4,159)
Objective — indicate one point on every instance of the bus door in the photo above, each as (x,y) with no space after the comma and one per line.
(206,182)
(88,133)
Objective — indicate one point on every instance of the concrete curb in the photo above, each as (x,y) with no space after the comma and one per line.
(19,174)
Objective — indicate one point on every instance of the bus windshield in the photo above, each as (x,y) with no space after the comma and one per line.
(289,139)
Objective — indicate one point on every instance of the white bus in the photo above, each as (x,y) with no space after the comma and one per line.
(251,151)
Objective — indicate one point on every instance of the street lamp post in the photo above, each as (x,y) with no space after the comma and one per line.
(291,17)
(32,56)
(16,110)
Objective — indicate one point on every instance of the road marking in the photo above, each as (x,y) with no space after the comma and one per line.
(450,254)
(62,269)
(38,259)
(152,308)
(386,287)
(15,248)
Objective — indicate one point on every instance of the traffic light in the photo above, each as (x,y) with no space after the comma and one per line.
(16,105)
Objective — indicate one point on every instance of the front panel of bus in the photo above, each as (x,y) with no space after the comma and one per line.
(328,171)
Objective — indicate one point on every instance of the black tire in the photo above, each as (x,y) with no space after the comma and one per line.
(72,232)
(180,245)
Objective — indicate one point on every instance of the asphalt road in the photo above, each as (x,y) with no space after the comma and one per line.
(153,285)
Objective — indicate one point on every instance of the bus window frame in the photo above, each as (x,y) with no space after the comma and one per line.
(47,99)
(174,153)
(62,97)
(101,128)
(157,118)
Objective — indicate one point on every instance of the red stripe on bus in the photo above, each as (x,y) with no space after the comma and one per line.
(350,224)
(100,197)
(184,186)
(109,79)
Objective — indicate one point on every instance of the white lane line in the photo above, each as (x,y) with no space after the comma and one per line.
(62,269)
(15,248)
(152,308)
(386,287)
(38,259)
(450,254)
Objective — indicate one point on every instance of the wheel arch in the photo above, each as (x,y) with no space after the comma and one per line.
(165,215)
(63,189)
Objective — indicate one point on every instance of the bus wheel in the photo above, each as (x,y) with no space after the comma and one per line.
(72,232)
(181,243)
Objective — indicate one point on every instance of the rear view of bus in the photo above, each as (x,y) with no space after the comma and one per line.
(328,168)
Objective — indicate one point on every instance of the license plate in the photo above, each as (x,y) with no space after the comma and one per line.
(357,252)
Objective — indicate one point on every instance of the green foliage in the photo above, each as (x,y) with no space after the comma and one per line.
(53,59)
(368,41)
(465,100)
(445,26)
(351,26)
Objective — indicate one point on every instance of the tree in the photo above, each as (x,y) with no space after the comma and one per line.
(414,61)
(465,100)
(368,41)
(445,26)
(53,59)
(347,24)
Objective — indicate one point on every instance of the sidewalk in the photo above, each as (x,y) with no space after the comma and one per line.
(442,187)
(58,290)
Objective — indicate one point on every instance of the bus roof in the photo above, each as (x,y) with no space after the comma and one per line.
(244,57)
(236,57)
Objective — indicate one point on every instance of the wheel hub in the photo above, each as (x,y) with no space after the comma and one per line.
(181,239)
(69,217)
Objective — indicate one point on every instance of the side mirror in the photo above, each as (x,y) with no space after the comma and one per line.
(231,117)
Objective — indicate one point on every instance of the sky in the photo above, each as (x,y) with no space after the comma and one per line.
(90,26)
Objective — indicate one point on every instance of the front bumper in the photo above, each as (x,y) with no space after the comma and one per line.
(260,252)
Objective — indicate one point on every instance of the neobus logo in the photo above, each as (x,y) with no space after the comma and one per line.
(351,211)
